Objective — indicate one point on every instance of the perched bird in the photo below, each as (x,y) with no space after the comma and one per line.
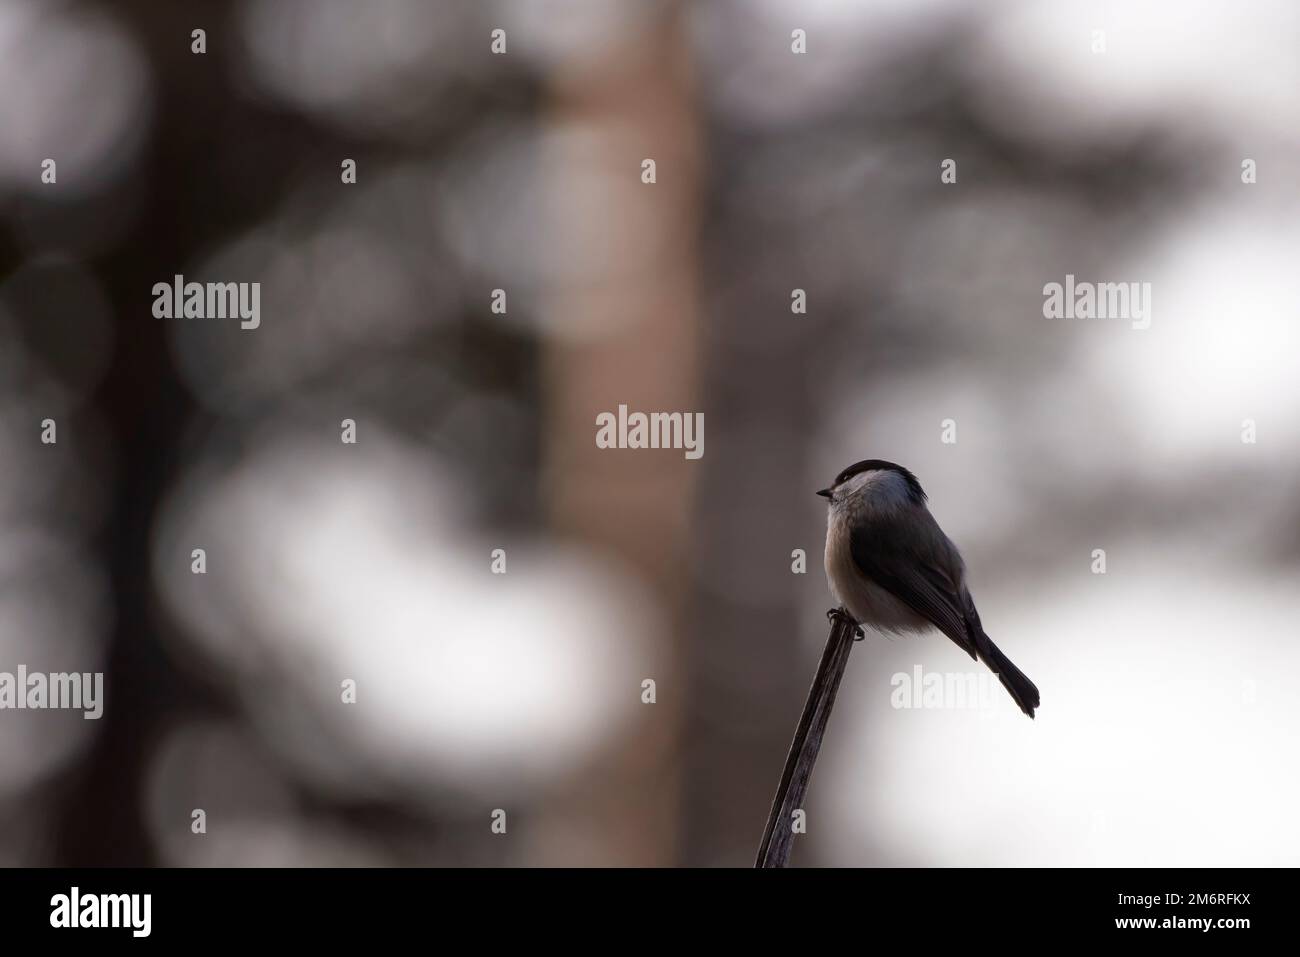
(890,566)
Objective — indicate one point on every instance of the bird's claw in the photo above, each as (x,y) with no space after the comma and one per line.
(839,614)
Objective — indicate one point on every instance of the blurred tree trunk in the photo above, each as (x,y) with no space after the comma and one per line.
(626,279)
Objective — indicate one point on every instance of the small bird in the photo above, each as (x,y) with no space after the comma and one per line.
(890,566)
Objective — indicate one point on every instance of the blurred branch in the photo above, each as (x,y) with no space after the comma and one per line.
(778,836)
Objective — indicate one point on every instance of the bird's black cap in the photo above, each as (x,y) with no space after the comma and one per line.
(880,465)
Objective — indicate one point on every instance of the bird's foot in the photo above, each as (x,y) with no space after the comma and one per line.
(839,614)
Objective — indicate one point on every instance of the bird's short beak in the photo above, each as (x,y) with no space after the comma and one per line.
(825,493)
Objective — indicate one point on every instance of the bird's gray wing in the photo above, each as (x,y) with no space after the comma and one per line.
(907,554)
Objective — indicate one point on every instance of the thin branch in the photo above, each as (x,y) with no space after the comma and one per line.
(778,837)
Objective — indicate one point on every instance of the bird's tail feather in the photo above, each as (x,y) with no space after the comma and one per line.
(1024,691)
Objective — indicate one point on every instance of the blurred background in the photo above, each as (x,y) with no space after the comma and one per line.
(1104,140)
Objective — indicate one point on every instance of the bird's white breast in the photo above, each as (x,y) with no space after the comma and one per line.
(866,601)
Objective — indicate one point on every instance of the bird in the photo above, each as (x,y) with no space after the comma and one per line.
(891,567)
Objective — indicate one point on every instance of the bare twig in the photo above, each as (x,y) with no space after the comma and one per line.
(778,837)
